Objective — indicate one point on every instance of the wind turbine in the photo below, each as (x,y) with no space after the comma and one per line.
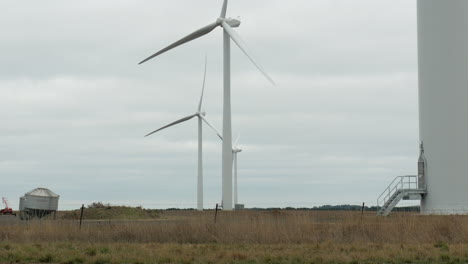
(201,117)
(227,24)
(235,150)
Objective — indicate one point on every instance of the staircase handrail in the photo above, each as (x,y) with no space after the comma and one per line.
(397,184)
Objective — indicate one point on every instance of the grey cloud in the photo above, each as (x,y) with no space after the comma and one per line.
(75,105)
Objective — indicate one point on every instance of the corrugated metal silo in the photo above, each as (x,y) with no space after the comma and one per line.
(38,203)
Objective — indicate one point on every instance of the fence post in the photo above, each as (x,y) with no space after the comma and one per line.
(216,212)
(362,209)
(81,215)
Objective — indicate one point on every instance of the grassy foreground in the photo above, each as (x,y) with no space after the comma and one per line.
(328,252)
(241,237)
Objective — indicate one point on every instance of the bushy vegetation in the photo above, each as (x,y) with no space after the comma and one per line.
(100,211)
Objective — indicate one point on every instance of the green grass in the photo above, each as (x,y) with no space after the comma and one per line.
(142,253)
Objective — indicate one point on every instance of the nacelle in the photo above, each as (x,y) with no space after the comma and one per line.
(233,22)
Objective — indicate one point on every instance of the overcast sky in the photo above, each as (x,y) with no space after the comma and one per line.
(341,123)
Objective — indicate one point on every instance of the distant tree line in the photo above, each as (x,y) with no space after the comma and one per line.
(343,207)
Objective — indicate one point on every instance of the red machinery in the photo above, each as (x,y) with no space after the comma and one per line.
(7,210)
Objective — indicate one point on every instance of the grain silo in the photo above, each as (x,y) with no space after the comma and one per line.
(38,203)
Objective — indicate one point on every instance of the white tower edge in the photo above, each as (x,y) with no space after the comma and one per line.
(443,103)
(227,132)
(200,166)
(235,179)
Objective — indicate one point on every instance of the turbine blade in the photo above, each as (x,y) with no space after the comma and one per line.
(202,31)
(212,127)
(203,88)
(237,39)
(174,123)
(224,9)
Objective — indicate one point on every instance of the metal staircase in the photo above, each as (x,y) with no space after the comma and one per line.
(402,187)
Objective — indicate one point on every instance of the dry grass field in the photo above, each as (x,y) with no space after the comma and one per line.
(241,237)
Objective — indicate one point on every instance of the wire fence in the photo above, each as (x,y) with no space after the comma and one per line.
(453,208)
(331,206)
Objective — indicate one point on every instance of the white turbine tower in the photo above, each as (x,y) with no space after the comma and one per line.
(443,107)
(201,117)
(227,24)
(235,150)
